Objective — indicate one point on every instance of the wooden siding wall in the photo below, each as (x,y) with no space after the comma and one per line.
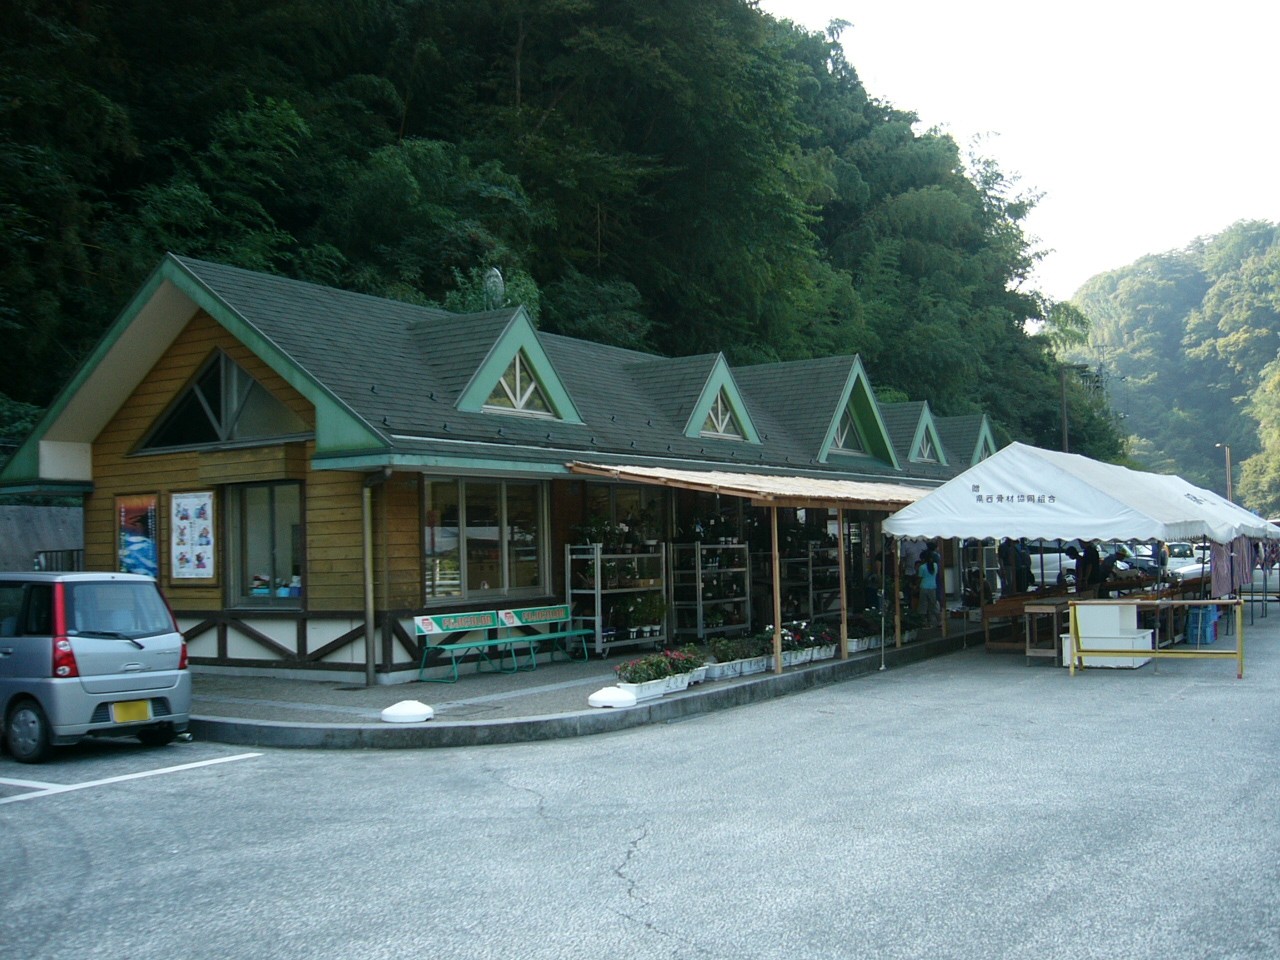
(398,542)
(333,579)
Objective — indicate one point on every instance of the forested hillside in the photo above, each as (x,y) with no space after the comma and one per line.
(1188,343)
(681,177)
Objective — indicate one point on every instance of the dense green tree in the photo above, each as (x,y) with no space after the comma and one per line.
(1183,337)
(678,177)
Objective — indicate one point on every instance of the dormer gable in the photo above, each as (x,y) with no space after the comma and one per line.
(856,428)
(517,378)
(720,413)
(926,447)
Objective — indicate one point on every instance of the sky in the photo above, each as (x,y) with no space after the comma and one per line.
(1143,125)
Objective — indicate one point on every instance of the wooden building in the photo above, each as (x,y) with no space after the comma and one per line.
(306,469)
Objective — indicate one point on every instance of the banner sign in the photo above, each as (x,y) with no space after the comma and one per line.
(454,622)
(534,616)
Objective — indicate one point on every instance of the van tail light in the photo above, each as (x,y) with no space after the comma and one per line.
(182,657)
(64,658)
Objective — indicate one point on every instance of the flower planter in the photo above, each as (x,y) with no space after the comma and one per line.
(794,658)
(649,690)
(756,665)
(677,682)
(697,674)
(859,644)
(824,651)
(724,671)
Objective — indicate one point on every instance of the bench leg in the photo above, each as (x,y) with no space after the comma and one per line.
(453,662)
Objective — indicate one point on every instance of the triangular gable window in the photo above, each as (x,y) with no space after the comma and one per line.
(721,421)
(848,438)
(223,405)
(925,452)
(518,391)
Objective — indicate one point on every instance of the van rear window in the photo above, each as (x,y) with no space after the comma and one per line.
(133,608)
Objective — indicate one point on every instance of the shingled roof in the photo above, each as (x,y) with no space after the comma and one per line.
(389,380)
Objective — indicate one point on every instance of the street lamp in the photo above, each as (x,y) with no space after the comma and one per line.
(1226,449)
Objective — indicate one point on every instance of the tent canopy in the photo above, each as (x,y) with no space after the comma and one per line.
(1023,491)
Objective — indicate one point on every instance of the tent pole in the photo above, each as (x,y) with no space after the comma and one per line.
(777,593)
(844,599)
(897,593)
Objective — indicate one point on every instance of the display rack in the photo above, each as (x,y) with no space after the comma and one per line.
(710,589)
(610,588)
(810,582)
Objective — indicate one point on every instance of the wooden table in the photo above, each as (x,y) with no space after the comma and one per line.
(1045,606)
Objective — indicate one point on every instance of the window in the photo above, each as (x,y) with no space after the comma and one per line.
(518,391)
(265,545)
(848,439)
(925,451)
(483,537)
(223,405)
(721,421)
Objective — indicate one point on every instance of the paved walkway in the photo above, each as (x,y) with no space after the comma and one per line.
(547,703)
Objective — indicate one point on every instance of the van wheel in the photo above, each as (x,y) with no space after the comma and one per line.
(26,732)
(158,735)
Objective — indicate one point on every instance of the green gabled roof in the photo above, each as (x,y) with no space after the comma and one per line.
(909,424)
(404,385)
(968,438)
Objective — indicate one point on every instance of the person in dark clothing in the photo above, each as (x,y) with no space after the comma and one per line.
(1088,568)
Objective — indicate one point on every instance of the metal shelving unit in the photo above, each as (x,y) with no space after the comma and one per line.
(603,587)
(710,589)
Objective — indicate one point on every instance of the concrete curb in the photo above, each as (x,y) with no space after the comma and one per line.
(579,723)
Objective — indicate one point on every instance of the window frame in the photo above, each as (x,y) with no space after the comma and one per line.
(234,512)
(467,592)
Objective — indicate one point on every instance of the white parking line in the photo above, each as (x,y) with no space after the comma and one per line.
(48,789)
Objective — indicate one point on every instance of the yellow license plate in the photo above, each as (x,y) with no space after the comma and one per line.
(130,711)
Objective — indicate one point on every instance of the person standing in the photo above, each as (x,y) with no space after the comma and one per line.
(927,570)
(1088,568)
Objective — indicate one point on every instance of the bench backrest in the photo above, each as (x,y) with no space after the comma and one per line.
(441,625)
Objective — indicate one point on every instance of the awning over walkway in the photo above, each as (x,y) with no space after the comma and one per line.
(767,491)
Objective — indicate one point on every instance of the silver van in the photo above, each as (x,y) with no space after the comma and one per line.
(88,655)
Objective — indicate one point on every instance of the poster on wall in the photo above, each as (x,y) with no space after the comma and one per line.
(137,530)
(192,544)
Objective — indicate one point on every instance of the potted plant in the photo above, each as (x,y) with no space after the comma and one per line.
(687,661)
(727,654)
(650,611)
(824,644)
(645,677)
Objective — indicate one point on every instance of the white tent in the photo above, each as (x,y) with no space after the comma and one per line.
(1023,491)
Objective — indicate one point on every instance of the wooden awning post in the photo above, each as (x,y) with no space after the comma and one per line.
(777,594)
(844,600)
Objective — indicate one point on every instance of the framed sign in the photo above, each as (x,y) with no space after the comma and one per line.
(137,534)
(192,543)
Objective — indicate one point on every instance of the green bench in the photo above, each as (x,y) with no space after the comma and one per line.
(448,634)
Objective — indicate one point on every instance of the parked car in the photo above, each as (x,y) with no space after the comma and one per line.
(88,655)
